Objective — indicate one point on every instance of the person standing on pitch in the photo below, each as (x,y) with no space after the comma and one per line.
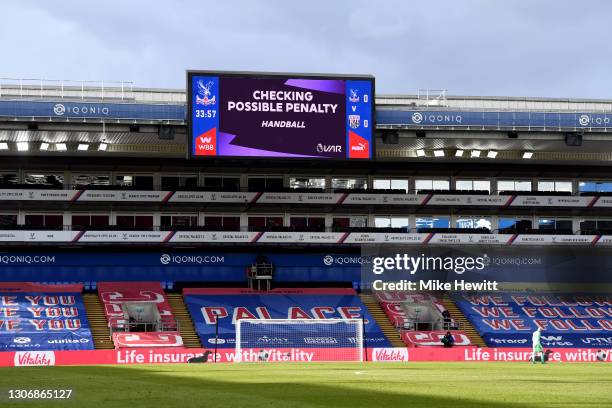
(537,346)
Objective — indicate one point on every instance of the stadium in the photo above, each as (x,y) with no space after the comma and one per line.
(360,250)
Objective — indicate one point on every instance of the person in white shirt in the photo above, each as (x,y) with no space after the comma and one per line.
(537,346)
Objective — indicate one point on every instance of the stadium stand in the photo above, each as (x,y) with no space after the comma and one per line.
(192,225)
(419,318)
(216,310)
(100,330)
(384,322)
(180,312)
(462,321)
(139,315)
(43,317)
(567,320)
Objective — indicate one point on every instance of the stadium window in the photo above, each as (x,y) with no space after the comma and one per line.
(223,222)
(349,183)
(34,220)
(85,221)
(473,185)
(471,222)
(272,222)
(307,182)
(144,182)
(99,220)
(555,224)
(213,221)
(307,223)
(8,179)
(262,183)
(382,222)
(432,222)
(353,221)
(604,225)
(545,223)
(265,222)
(178,221)
(257,222)
(596,226)
(222,183)
(555,186)
(595,186)
(45,221)
(179,182)
(136,222)
(231,183)
(90,180)
(439,185)
(44,180)
(231,222)
(391,222)
(588,226)
(8,221)
(564,186)
(390,184)
(513,185)
(514,224)
(257,184)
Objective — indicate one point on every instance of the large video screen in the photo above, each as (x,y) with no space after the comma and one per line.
(280,115)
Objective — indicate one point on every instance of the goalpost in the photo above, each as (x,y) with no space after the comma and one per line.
(289,339)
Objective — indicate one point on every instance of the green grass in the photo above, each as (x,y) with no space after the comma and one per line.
(372,385)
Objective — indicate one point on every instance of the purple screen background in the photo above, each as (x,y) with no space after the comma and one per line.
(243,131)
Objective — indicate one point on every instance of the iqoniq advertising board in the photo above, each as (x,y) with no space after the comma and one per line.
(280,115)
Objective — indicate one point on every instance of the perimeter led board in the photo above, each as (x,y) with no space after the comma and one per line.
(267,115)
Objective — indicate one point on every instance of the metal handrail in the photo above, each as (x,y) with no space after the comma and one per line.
(111,187)
(163,324)
(201,228)
(59,87)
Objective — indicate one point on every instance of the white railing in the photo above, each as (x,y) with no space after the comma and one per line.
(432,97)
(65,88)
(435,100)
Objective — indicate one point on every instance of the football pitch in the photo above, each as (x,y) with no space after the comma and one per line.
(348,385)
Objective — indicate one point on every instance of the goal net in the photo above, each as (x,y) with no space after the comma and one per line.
(299,340)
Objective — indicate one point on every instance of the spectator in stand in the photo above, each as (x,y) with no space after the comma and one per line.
(448,340)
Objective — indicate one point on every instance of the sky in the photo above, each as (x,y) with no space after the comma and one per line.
(542,48)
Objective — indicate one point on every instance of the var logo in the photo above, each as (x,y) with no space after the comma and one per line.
(321,148)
